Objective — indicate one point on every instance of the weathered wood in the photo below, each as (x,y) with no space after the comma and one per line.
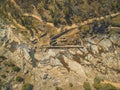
(66,46)
(60,34)
(44,34)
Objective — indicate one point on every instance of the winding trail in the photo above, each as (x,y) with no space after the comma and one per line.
(73,28)
(73,25)
(67,27)
(117,85)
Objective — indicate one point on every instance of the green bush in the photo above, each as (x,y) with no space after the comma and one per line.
(58,88)
(16,69)
(99,86)
(66,11)
(86,86)
(108,87)
(55,21)
(104,87)
(97,80)
(27,86)
(19,79)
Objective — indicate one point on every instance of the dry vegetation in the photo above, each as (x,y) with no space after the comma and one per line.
(42,18)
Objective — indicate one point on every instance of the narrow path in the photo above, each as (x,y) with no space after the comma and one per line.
(16,23)
(67,27)
(16,5)
(73,25)
(117,85)
(90,21)
(71,30)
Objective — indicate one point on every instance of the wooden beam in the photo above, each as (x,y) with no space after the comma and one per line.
(66,46)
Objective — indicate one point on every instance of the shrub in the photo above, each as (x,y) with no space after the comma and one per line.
(19,79)
(86,86)
(7,71)
(99,86)
(9,64)
(105,87)
(2,58)
(1,85)
(16,69)
(55,21)
(27,86)
(108,87)
(66,11)
(3,76)
(4,86)
(97,80)
(70,84)
(58,88)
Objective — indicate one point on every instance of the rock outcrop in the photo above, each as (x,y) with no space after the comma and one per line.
(48,68)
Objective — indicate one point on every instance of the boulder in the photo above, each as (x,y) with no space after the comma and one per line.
(105,44)
(94,49)
(76,67)
(55,62)
(114,38)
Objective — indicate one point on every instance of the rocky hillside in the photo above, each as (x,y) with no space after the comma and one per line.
(59,12)
(59,45)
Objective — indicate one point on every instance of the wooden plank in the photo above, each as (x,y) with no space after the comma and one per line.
(66,46)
